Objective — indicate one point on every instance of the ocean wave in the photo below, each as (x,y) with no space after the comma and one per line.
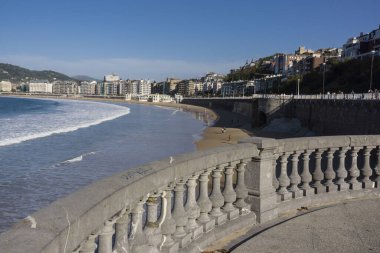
(77,159)
(73,115)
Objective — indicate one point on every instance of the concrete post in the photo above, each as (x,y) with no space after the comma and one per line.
(366,170)
(318,173)
(192,209)
(241,189)
(259,180)
(179,214)
(229,194)
(216,196)
(354,171)
(377,168)
(89,246)
(341,172)
(167,222)
(121,234)
(295,178)
(329,172)
(105,237)
(306,175)
(152,228)
(204,203)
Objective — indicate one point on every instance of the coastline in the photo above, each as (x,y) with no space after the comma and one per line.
(236,126)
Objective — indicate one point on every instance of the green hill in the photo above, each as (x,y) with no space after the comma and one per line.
(18,74)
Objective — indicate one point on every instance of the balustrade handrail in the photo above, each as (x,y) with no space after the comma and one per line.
(67,222)
(272,177)
(321,142)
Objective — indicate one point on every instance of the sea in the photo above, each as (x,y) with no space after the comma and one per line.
(51,147)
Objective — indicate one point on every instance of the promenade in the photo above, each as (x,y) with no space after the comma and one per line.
(350,226)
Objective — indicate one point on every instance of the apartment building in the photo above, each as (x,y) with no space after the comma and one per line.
(363,45)
(64,87)
(5,86)
(39,86)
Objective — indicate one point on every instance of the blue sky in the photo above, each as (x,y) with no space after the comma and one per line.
(179,38)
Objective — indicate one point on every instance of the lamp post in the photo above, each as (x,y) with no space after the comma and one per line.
(370,80)
(298,84)
(323,81)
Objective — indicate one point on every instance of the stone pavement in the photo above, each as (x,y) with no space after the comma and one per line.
(351,226)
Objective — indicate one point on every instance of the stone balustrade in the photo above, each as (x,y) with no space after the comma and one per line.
(301,172)
(184,203)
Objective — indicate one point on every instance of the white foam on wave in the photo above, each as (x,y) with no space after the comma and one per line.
(78,158)
(22,134)
(74,160)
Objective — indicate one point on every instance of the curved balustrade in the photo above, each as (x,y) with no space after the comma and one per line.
(132,211)
(318,170)
(185,203)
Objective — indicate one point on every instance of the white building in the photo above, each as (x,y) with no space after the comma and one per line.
(87,88)
(5,86)
(112,85)
(162,98)
(351,48)
(39,87)
(65,87)
(144,88)
(138,88)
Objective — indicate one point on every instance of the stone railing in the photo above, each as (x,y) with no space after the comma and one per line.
(180,205)
(135,212)
(301,172)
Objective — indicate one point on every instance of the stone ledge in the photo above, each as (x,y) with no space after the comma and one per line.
(326,199)
(221,233)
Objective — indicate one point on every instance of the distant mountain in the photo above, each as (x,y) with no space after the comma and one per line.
(16,74)
(84,78)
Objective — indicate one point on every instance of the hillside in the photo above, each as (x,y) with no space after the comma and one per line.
(84,78)
(18,74)
(352,75)
(259,70)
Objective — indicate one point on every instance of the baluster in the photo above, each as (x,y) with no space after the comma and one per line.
(229,194)
(275,182)
(377,168)
(354,171)
(341,173)
(284,180)
(366,170)
(105,237)
(295,178)
(217,198)
(192,209)
(241,189)
(121,228)
(168,224)
(180,216)
(204,203)
(306,175)
(89,246)
(138,240)
(152,228)
(318,174)
(329,172)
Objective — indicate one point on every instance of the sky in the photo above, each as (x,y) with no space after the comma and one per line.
(151,39)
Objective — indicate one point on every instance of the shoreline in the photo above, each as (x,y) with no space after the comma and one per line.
(212,136)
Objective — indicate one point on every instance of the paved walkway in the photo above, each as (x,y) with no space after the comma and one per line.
(352,226)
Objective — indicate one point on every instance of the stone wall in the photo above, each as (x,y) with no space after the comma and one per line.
(322,116)
(337,117)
